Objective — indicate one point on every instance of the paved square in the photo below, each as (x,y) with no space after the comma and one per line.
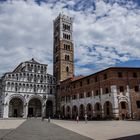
(35,129)
(102,130)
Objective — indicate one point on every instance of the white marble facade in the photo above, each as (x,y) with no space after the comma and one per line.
(28,91)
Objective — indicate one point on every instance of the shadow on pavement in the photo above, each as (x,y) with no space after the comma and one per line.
(134,137)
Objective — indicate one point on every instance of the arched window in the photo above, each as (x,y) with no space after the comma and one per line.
(16,87)
(8,84)
(68,57)
(67,69)
(51,91)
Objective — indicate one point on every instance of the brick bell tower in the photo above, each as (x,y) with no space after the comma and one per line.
(63,50)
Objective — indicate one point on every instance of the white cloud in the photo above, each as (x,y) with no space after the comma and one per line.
(102,37)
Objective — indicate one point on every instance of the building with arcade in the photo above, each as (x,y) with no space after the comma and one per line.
(28,91)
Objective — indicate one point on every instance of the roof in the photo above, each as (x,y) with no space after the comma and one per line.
(32,61)
(77,78)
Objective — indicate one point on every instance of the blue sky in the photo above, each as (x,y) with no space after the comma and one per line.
(106,32)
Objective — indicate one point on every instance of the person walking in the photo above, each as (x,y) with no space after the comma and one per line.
(49,119)
(77,118)
(85,118)
(42,118)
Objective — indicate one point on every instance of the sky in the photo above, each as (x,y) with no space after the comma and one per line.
(106,33)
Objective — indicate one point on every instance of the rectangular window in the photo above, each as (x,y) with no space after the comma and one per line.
(134,74)
(138,104)
(81,95)
(121,89)
(136,88)
(106,90)
(81,84)
(123,105)
(97,93)
(96,79)
(74,96)
(88,81)
(88,94)
(120,75)
(105,76)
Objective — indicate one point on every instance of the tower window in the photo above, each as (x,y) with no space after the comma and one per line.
(67,69)
(66,47)
(57,59)
(66,36)
(67,57)
(66,27)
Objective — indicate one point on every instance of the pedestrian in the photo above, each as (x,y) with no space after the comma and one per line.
(59,117)
(42,118)
(77,118)
(85,118)
(49,119)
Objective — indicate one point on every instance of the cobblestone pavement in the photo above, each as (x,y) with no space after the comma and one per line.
(35,129)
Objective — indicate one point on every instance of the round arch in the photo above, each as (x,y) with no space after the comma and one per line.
(16,107)
(123,110)
(35,96)
(34,107)
(108,110)
(98,110)
(81,111)
(63,111)
(17,96)
(89,110)
(74,111)
(68,112)
(49,108)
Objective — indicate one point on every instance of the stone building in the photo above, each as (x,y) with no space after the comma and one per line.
(63,50)
(110,93)
(27,91)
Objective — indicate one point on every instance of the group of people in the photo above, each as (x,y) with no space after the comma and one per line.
(77,118)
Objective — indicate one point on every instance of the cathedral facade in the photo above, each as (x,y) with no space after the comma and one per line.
(28,91)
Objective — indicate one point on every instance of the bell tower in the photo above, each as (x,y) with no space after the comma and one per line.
(63,50)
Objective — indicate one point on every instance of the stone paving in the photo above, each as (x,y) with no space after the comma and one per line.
(103,130)
(35,129)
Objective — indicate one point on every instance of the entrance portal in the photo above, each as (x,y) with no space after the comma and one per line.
(34,108)
(16,107)
(49,109)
